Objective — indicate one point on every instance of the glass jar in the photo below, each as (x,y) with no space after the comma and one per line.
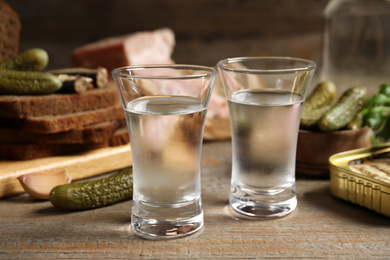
(356,44)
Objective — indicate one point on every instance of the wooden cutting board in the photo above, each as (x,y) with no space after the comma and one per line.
(79,166)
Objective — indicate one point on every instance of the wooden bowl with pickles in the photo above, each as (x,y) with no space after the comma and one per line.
(329,127)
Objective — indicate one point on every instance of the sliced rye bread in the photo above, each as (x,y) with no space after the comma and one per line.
(94,133)
(12,106)
(61,123)
(35,151)
(10,27)
(120,137)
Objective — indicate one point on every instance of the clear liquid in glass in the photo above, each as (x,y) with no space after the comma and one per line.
(166,141)
(265,127)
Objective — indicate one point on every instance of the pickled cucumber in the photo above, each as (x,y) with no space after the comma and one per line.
(344,111)
(30,60)
(93,194)
(356,123)
(318,103)
(13,82)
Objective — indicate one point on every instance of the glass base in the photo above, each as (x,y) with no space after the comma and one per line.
(159,222)
(262,204)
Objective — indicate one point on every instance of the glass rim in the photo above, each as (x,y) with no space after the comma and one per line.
(206,71)
(311,65)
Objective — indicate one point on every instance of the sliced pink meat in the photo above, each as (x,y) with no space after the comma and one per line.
(139,48)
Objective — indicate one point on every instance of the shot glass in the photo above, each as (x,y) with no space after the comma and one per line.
(265,97)
(165,108)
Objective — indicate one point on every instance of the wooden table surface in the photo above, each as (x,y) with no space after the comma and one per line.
(321,226)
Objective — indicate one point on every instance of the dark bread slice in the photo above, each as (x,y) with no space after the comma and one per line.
(120,137)
(10,27)
(12,106)
(35,151)
(94,133)
(61,123)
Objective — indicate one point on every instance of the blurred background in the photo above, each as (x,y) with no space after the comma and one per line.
(206,30)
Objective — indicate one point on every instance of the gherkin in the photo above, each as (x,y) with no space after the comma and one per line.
(96,193)
(13,82)
(344,111)
(31,60)
(319,102)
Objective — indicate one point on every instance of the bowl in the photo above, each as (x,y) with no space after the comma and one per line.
(315,148)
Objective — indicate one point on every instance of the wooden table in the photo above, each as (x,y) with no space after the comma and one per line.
(321,226)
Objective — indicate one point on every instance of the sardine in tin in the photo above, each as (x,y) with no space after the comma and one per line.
(357,188)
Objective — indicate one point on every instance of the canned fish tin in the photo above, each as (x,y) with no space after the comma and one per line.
(359,188)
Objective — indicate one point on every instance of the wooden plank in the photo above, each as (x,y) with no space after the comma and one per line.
(79,166)
(321,226)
